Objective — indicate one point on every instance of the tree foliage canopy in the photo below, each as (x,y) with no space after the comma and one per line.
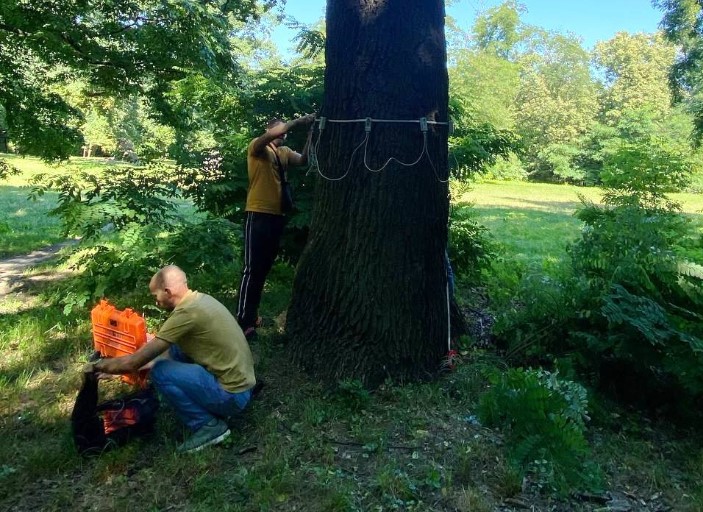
(683,25)
(117,46)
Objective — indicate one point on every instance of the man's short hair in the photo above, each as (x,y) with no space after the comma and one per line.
(169,276)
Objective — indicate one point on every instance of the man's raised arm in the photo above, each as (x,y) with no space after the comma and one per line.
(277,131)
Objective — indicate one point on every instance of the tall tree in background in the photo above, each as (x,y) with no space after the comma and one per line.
(556,103)
(370,296)
(683,25)
(499,30)
(636,68)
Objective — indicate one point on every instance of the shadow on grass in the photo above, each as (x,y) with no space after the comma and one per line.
(564,207)
(38,339)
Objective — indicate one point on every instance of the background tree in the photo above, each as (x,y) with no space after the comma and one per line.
(499,30)
(683,25)
(635,69)
(635,99)
(556,102)
(119,47)
(369,297)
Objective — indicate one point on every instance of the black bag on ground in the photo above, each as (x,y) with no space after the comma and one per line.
(100,427)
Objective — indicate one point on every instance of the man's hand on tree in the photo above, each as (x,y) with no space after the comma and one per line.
(306,119)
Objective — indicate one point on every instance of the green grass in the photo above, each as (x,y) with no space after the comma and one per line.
(411,448)
(26,225)
(534,222)
(32,166)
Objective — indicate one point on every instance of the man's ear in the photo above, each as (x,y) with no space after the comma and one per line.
(168,291)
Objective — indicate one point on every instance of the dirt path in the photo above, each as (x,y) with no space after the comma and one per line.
(12,277)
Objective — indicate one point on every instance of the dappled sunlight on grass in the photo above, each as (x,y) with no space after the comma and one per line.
(530,236)
(524,194)
(27,225)
(550,197)
(31,166)
(534,222)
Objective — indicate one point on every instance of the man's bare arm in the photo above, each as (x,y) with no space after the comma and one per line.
(277,131)
(132,362)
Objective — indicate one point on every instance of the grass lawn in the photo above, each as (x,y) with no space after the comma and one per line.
(534,222)
(302,447)
(26,225)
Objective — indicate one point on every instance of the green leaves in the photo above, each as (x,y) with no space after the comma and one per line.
(471,249)
(544,419)
(120,47)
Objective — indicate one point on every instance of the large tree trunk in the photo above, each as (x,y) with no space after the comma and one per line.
(370,295)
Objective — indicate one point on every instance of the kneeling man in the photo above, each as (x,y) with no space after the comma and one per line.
(208,374)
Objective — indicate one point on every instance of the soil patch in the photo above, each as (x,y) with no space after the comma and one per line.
(12,270)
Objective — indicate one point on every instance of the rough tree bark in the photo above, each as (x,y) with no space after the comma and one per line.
(369,297)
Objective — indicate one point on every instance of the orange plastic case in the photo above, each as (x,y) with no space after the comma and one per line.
(119,333)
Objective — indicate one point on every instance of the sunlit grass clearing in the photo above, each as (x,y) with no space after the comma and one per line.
(534,222)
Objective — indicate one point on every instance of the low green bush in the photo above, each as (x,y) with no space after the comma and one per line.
(544,420)
(471,248)
(131,222)
(633,300)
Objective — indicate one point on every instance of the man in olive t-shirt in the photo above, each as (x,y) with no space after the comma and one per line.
(208,374)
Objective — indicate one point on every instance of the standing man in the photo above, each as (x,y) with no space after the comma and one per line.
(267,161)
(208,374)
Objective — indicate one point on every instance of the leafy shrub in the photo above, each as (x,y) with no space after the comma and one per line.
(634,298)
(93,204)
(209,252)
(475,147)
(7,170)
(507,168)
(533,326)
(351,395)
(544,419)
(649,302)
(555,163)
(696,185)
(131,223)
(470,247)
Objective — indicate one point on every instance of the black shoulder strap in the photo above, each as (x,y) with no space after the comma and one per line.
(281,170)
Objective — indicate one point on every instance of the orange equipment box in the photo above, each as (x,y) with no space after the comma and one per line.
(119,333)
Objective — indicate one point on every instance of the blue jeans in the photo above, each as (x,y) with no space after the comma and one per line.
(194,392)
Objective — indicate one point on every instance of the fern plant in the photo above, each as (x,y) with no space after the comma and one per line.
(633,300)
(544,419)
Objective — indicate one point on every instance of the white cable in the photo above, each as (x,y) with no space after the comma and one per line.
(441,123)
(423,122)
(394,159)
(316,163)
(449,324)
